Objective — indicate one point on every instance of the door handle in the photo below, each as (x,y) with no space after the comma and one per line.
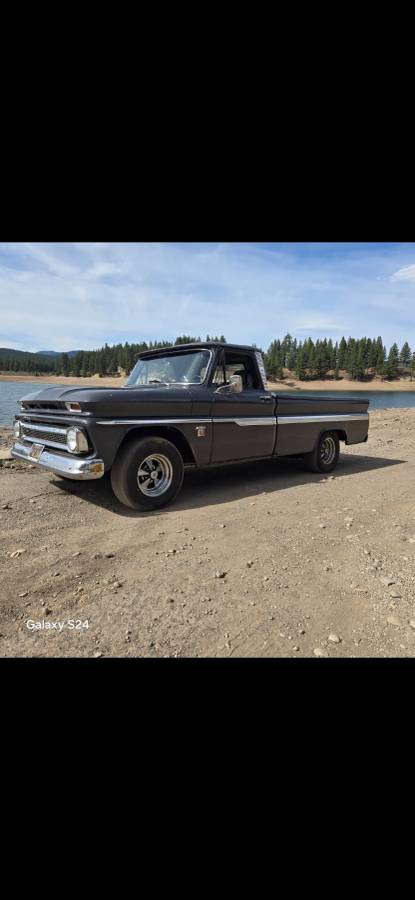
(266,399)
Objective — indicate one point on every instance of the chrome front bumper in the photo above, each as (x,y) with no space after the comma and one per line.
(70,467)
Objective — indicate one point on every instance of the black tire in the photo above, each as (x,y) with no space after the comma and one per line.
(325,456)
(152,492)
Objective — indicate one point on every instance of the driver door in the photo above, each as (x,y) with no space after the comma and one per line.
(244,424)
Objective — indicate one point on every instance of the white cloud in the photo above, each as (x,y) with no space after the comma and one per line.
(407,273)
(101,270)
(49,260)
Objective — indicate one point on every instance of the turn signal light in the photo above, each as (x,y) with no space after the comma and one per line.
(74,407)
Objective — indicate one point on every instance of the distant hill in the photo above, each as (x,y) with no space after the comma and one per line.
(23,361)
(43,362)
(55,352)
(26,354)
(9,353)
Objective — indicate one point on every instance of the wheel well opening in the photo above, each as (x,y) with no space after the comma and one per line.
(170,434)
(342,435)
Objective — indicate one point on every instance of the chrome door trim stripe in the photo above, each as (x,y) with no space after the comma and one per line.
(249,420)
(200,421)
(299,420)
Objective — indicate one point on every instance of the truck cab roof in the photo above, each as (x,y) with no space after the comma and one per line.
(203,345)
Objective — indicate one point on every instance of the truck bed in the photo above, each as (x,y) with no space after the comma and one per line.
(300,421)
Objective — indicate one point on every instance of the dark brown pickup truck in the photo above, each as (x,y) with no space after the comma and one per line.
(190,405)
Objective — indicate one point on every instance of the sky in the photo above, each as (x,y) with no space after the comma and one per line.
(79,295)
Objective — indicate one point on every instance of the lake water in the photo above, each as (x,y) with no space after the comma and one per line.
(12,391)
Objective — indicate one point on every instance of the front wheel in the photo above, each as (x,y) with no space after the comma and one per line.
(325,456)
(147,473)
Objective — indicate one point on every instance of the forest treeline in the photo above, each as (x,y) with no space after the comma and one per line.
(357,357)
(320,359)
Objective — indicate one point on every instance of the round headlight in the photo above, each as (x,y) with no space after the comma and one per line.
(72,439)
(17,428)
(76,441)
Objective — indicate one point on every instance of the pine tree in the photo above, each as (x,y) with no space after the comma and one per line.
(300,366)
(380,357)
(392,364)
(285,349)
(351,364)
(291,359)
(65,364)
(76,365)
(360,360)
(342,357)
(406,355)
(372,355)
(273,359)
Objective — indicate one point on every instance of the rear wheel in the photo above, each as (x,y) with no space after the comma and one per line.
(147,473)
(325,456)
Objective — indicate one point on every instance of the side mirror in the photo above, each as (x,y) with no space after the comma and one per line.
(236,384)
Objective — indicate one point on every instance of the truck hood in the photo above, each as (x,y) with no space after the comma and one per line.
(146,400)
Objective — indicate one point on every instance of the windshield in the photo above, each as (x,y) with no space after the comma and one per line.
(177,368)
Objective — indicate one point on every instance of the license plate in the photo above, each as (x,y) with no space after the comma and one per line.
(36,451)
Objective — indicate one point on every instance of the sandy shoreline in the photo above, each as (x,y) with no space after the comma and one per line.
(289,384)
(366,387)
(95,380)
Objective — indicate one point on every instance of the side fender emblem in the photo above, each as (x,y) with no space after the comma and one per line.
(201,431)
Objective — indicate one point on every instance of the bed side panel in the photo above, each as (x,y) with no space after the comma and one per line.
(300,421)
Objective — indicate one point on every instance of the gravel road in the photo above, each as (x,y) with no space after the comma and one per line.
(258,560)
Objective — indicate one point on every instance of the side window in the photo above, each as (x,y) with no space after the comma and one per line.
(239,364)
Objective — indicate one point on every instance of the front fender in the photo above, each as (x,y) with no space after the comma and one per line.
(108,436)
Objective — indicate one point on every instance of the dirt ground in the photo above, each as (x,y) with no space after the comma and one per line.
(258,560)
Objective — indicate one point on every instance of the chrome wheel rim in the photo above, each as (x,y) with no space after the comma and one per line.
(154,475)
(327,450)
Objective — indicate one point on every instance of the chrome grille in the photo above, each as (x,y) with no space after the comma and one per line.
(42,434)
